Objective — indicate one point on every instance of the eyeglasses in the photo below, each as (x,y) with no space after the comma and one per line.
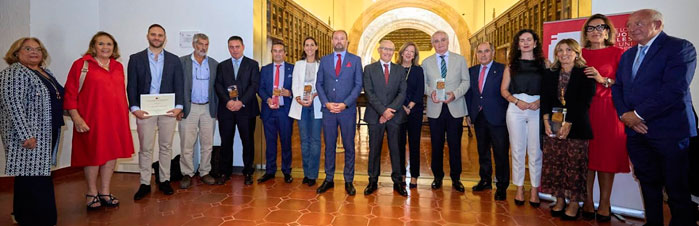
(600,27)
(30,49)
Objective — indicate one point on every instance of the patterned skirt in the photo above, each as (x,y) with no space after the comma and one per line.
(564,168)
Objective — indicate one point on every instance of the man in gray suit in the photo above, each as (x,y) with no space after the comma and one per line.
(199,112)
(446,82)
(384,86)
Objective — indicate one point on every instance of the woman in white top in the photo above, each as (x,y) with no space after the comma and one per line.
(306,109)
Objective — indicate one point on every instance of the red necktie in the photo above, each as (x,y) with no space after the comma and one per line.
(385,72)
(276,82)
(481,77)
(338,65)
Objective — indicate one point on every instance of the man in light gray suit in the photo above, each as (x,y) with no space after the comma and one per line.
(199,113)
(446,82)
(384,86)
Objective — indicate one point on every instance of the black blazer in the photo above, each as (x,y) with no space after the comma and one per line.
(380,96)
(247,82)
(494,106)
(416,88)
(139,77)
(578,97)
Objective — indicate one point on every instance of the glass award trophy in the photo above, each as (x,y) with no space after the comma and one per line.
(558,116)
(275,95)
(441,92)
(307,92)
(233,92)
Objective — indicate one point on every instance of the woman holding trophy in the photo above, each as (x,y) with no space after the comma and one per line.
(566,94)
(306,109)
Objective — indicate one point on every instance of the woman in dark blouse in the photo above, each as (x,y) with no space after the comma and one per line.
(521,86)
(408,56)
(566,87)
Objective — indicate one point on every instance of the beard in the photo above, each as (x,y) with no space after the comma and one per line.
(201,53)
(339,48)
(155,46)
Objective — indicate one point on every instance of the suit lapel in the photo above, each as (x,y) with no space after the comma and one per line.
(450,63)
(489,78)
(166,70)
(146,61)
(212,72)
(654,48)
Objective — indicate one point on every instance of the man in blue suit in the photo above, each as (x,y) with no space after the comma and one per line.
(154,71)
(486,109)
(339,83)
(275,86)
(652,96)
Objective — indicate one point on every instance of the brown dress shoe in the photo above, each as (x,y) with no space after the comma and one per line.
(208,179)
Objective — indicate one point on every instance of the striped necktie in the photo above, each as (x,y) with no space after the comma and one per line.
(444,67)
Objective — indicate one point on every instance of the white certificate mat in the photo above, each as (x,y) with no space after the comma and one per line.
(157,104)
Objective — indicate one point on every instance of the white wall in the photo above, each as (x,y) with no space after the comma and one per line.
(14,23)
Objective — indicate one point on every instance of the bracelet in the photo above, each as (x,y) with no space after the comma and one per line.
(516,101)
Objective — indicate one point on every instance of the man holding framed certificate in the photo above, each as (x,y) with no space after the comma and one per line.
(155,84)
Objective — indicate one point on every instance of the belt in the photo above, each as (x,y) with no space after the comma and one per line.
(201,103)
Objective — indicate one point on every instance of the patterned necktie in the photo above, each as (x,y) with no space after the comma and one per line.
(276,83)
(338,65)
(481,77)
(444,67)
(385,72)
(639,60)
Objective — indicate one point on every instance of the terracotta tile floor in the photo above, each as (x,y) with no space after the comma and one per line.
(277,203)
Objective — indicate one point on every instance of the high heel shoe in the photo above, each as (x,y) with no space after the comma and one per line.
(111,202)
(535,204)
(557,213)
(588,215)
(565,216)
(603,218)
(519,202)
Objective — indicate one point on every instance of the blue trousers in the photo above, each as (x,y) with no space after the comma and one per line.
(278,124)
(347,120)
(309,130)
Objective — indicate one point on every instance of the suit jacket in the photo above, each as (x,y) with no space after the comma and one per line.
(187,69)
(416,88)
(345,87)
(248,81)
(578,97)
(457,81)
(139,77)
(297,84)
(267,84)
(380,95)
(494,106)
(660,91)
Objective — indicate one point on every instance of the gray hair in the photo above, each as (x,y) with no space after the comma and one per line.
(198,36)
(440,32)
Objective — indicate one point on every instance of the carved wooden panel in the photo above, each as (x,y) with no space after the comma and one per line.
(290,23)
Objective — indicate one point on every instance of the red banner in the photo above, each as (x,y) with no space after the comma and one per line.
(571,28)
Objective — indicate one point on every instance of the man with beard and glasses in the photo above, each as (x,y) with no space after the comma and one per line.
(154,71)
(199,113)
(339,83)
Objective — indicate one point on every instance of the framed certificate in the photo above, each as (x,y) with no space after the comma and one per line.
(157,104)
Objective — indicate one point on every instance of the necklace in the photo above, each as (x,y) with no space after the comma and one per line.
(55,89)
(408,73)
(105,66)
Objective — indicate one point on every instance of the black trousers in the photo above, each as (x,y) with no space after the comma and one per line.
(246,127)
(376,132)
(452,128)
(34,202)
(412,128)
(490,136)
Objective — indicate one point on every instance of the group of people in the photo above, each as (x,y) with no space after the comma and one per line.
(573,119)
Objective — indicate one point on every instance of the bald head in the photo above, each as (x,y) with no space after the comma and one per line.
(386,48)
(644,24)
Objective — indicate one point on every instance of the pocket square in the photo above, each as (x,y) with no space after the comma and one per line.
(349,64)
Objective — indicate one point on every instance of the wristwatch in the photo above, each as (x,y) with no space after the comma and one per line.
(607,81)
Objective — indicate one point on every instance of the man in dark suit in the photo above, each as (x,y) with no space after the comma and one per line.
(275,85)
(652,97)
(198,118)
(339,83)
(237,80)
(487,109)
(154,71)
(384,87)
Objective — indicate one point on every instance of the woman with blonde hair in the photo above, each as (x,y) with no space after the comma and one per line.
(408,57)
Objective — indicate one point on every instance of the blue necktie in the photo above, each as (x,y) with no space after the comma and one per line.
(638,61)
(444,67)
(236,66)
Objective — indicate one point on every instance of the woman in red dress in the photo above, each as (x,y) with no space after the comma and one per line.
(607,153)
(99,110)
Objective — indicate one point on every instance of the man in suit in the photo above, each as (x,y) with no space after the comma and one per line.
(487,109)
(338,84)
(447,73)
(652,98)
(199,113)
(275,85)
(154,71)
(237,80)
(385,88)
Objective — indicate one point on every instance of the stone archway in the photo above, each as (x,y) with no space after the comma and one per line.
(459,36)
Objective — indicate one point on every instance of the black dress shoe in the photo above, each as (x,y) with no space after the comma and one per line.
(325,186)
(265,177)
(557,213)
(588,215)
(305,180)
(400,189)
(370,188)
(222,179)
(500,195)
(458,186)
(349,188)
(482,185)
(603,218)
(143,190)
(411,185)
(288,179)
(248,179)
(166,188)
(565,216)
(436,184)
(311,182)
